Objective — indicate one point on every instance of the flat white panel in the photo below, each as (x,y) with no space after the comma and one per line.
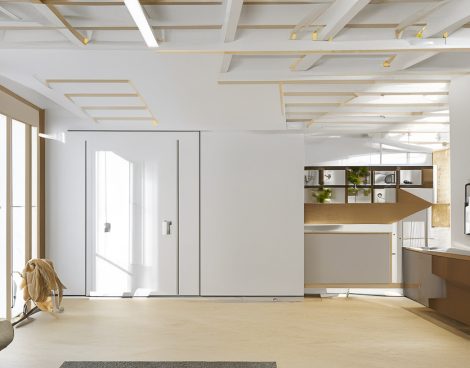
(251,214)
(459,168)
(65,211)
(347,258)
(189,213)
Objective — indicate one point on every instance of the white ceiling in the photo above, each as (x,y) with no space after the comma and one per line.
(316,66)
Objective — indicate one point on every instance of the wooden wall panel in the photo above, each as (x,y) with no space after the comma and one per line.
(441,211)
(365,213)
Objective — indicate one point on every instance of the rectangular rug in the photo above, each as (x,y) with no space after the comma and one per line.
(168,365)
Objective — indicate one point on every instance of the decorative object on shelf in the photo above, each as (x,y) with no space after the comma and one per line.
(323,195)
(390,179)
(358,175)
(310,177)
(466,214)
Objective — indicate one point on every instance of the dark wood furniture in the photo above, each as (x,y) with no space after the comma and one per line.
(439,280)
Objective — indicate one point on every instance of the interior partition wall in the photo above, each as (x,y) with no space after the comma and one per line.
(21,185)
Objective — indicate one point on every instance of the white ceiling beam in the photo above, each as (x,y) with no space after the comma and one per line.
(287,47)
(447,16)
(308,20)
(52,14)
(418,16)
(336,17)
(405,61)
(9,14)
(232,16)
(229,28)
(450,18)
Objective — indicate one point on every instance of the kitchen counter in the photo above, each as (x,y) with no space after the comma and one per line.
(439,279)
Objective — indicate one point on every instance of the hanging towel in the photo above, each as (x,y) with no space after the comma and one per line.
(39,281)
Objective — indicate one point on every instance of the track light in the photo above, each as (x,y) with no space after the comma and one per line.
(388,63)
(314,35)
(137,13)
(293,36)
(420,32)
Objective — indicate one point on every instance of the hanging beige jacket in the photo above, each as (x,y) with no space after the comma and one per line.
(39,280)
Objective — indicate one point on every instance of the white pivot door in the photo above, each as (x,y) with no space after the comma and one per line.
(132,214)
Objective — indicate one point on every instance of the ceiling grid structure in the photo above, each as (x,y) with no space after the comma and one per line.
(335,66)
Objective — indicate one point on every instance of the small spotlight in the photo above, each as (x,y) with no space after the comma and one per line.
(314,36)
(293,36)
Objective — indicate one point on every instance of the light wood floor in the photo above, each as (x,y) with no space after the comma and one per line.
(355,332)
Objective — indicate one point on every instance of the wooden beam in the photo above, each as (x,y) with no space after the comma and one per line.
(326,93)
(440,104)
(74,95)
(87,81)
(370,79)
(56,17)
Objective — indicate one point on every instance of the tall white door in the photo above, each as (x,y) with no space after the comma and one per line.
(132,214)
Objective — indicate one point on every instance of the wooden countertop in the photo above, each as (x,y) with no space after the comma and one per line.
(440,253)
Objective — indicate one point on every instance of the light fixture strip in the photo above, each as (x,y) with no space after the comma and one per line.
(140,19)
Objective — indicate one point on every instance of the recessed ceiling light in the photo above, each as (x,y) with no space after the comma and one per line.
(137,13)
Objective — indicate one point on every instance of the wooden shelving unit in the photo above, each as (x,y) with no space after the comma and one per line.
(336,179)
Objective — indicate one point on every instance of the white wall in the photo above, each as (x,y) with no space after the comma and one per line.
(65,211)
(252,214)
(459,155)
(356,151)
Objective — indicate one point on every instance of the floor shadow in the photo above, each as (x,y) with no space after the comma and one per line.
(451,325)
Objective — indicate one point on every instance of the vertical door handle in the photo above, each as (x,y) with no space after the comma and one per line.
(166,227)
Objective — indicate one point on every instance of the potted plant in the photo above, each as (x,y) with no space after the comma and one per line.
(323,195)
(358,175)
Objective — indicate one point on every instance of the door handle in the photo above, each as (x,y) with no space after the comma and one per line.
(166,227)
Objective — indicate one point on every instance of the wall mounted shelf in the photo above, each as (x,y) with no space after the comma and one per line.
(366,184)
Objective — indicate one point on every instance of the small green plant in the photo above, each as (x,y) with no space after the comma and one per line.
(353,191)
(366,192)
(323,195)
(358,175)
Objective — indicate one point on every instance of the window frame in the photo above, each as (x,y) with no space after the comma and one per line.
(15,108)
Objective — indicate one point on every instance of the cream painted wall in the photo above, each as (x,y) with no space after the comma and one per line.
(459,155)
